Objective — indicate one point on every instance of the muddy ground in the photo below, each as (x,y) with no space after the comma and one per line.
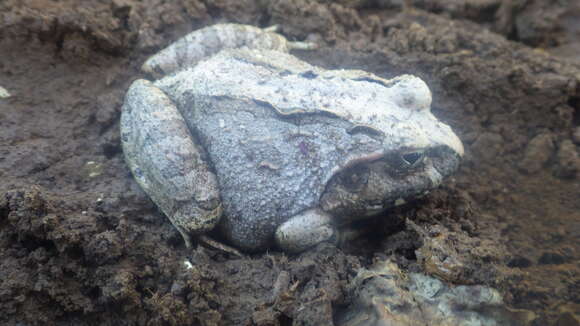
(81,244)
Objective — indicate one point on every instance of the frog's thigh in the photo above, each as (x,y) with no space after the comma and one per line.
(198,45)
(305,230)
(166,161)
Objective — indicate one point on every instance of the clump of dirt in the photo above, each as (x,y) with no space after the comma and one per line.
(81,243)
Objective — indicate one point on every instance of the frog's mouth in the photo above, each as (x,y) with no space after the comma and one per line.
(402,160)
(369,185)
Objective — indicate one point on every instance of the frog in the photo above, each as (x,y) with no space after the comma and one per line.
(233,135)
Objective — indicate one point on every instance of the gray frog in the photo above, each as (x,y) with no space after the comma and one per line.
(239,134)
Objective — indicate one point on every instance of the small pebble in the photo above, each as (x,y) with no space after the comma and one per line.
(4,93)
(93,169)
(187,264)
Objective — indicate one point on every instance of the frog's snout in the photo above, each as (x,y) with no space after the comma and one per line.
(445,160)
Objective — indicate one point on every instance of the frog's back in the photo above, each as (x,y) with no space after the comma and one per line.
(270,165)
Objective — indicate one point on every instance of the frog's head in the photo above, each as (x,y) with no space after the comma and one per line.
(418,152)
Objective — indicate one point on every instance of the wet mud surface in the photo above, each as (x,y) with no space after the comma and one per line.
(81,244)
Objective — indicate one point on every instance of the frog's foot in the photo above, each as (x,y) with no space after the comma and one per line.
(206,42)
(305,230)
(272,29)
(208,242)
(166,160)
(186,237)
(302,46)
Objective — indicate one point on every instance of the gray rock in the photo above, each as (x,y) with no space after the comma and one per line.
(385,295)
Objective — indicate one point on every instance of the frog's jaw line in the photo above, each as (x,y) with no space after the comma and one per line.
(367,158)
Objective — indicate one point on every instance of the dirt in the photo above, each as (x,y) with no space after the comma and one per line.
(81,244)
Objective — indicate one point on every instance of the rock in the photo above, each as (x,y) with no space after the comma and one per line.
(568,160)
(4,93)
(385,295)
(488,145)
(538,153)
(92,169)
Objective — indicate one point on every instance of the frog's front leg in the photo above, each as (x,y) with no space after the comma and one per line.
(204,43)
(305,230)
(167,162)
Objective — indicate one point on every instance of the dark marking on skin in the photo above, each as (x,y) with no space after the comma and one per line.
(363,129)
(372,80)
(296,112)
(303,148)
(308,74)
(138,173)
(255,63)
(158,70)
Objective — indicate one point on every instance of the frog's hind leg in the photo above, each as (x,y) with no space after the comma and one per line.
(167,162)
(206,42)
(292,45)
(305,230)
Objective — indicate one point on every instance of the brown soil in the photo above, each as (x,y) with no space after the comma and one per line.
(81,244)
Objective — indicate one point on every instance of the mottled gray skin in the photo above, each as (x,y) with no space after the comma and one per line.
(286,150)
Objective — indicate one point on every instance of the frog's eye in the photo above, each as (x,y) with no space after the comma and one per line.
(411,159)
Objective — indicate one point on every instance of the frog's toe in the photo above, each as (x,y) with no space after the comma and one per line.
(305,230)
(206,241)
